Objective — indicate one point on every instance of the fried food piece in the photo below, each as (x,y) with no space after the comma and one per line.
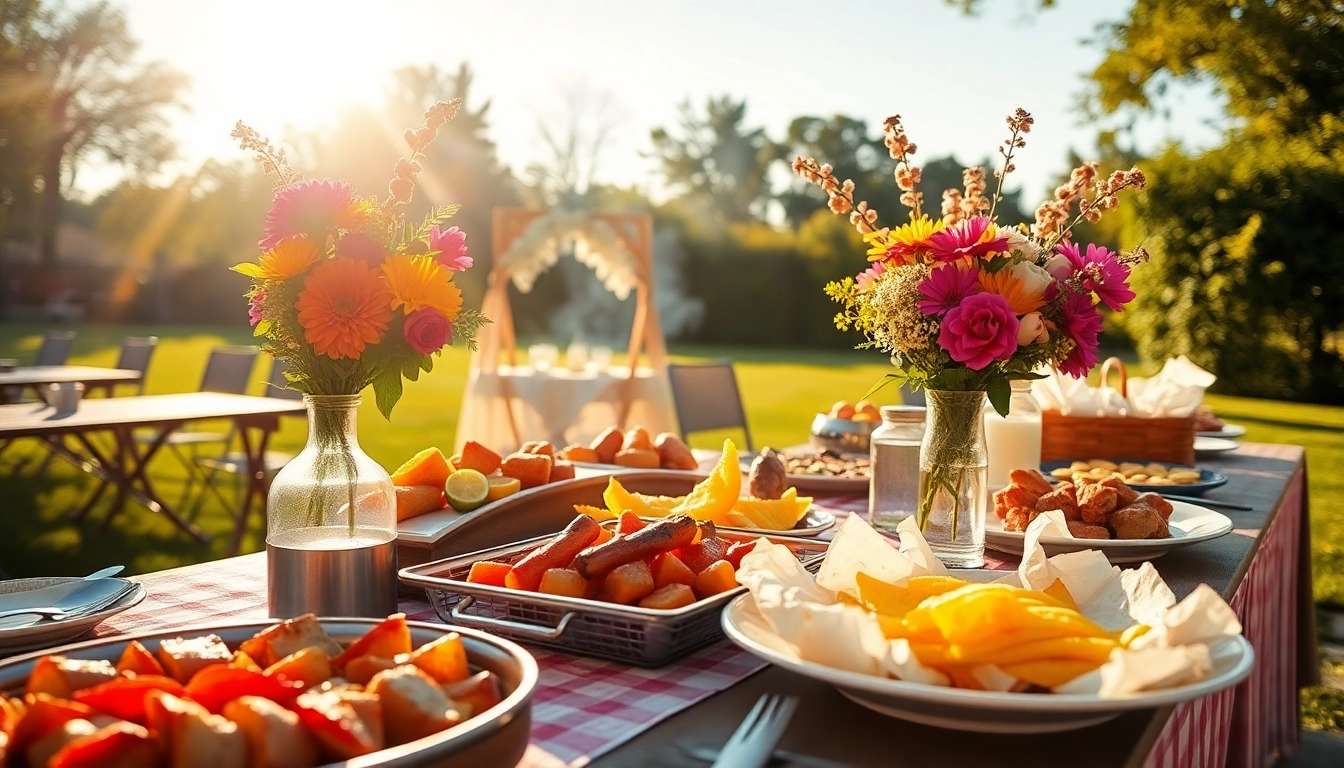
(1124,495)
(1139,521)
(1155,501)
(767,479)
(1096,502)
(1031,480)
(1018,518)
(1014,496)
(1081,530)
(1064,499)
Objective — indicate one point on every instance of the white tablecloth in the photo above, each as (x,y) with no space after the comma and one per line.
(559,405)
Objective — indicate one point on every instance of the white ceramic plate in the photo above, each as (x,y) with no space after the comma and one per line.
(1214,445)
(34,633)
(980,711)
(1189,523)
(1229,431)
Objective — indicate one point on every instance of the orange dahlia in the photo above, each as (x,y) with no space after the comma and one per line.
(343,307)
(420,282)
(291,257)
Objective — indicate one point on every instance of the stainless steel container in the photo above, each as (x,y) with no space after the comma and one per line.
(497,737)
(627,633)
(332,582)
(841,435)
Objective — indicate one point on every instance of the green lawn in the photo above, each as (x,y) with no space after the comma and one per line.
(781,388)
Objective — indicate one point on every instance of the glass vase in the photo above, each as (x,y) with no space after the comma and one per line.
(331,523)
(953,464)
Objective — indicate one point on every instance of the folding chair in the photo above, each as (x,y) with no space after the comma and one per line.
(234,463)
(136,352)
(706,397)
(55,349)
(229,370)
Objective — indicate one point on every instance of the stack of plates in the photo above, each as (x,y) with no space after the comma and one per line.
(28,632)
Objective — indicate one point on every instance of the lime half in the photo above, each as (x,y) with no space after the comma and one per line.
(467,489)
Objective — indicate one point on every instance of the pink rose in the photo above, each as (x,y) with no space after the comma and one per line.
(452,247)
(979,331)
(427,331)
(1031,330)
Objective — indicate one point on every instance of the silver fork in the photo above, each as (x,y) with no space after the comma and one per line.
(56,613)
(754,741)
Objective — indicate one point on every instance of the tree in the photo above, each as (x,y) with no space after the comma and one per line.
(94,100)
(574,132)
(1245,276)
(19,130)
(714,157)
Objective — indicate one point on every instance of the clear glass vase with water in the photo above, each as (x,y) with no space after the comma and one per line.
(953,468)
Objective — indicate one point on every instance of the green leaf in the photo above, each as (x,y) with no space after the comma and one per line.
(1000,393)
(410,368)
(427,363)
(247,268)
(387,390)
(884,381)
(263,328)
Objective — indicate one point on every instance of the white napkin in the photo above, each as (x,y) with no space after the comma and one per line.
(1175,392)
(1073,397)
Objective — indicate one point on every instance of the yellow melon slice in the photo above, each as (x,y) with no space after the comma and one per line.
(774,514)
(428,467)
(620,500)
(714,496)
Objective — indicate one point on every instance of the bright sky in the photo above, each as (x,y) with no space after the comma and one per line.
(952,77)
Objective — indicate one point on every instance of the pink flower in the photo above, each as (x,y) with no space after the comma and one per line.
(868,277)
(1058,265)
(1102,273)
(357,245)
(427,330)
(452,247)
(1082,324)
(979,331)
(312,208)
(254,308)
(945,288)
(1031,330)
(962,240)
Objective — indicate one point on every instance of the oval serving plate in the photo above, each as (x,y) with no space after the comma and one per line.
(1208,479)
(980,711)
(498,736)
(1228,432)
(20,634)
(1215,445)
(1189,524)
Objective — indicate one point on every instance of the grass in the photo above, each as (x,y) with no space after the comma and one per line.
(781,389)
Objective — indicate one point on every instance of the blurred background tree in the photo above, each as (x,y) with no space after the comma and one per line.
(72,74)
(1246,277)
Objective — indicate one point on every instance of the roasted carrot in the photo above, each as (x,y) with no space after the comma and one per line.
(581,532)
(663,536)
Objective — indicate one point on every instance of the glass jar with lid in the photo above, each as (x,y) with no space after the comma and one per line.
(894,450)
(1014,442)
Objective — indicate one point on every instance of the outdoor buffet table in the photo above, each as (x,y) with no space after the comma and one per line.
(619,715)
(37,376)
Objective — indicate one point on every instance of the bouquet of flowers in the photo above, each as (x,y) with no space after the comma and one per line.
(963,303)
(345,291)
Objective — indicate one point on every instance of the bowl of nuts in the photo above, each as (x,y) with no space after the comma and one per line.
(1142,476)
(846,428)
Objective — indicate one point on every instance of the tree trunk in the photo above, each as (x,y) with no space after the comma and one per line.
(49,206)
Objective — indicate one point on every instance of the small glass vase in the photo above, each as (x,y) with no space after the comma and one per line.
(953,465)
(331,523)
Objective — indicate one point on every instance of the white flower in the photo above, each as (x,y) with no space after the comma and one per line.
(1020,242)
(1032,278)
(1031,330)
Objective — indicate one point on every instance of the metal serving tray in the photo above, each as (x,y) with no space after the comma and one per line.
(496,737)
(644,637)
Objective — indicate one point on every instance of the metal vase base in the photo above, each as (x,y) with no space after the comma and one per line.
(332,582)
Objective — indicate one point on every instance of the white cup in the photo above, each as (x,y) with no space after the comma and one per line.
(600,359)
(576,357)
(65,396)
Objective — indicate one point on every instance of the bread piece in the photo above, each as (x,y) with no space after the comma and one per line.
(1096,502)
(1081,530)
(1030,480)
(673,453)
(1139,521)
(607,445)
(1124,495)
(1063,499)
(1161,505)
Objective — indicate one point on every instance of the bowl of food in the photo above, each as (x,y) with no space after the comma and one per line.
(344,692)
(846,428)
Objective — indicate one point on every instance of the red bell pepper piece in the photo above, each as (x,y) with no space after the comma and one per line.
(120,745)
(124,697)
(217,685)
(45,714)
(738,551)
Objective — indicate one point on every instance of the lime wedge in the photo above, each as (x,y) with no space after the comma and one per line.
(467,489)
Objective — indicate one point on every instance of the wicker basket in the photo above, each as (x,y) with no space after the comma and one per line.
(1117,437)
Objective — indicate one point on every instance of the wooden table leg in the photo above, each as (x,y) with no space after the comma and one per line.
(132,479)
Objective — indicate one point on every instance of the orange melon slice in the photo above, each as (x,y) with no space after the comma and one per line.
(620,500)
(715,496)
(774,514)
(428,467)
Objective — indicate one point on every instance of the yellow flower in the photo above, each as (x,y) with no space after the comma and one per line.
(881,240)
(419,282)
(902,243)
(293,256)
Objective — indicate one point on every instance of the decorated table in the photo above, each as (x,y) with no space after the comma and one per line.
(37,376)
(614,714)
